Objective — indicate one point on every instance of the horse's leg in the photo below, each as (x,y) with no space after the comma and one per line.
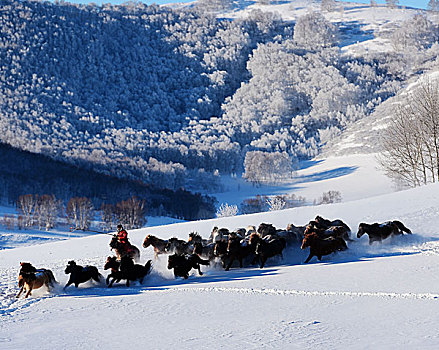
(128,282)
(309,257)
(263,261)
(232,259)
(108,279)
(199,270)
(21,291)
(68,284)
(28,292)
(111,283)
(240,262)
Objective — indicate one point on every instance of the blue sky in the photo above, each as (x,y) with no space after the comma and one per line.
(410,3)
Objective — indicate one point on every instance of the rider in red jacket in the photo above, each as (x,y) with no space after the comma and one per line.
(122,235)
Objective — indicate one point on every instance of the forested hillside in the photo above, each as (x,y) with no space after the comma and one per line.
(175,96)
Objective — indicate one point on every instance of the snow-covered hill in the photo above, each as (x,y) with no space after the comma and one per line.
(381,296)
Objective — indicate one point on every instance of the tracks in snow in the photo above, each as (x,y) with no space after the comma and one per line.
(302,293)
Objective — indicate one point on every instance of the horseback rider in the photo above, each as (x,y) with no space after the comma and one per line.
(122,236)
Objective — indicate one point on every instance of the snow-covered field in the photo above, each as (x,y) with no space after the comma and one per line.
(384,296)
(380,296)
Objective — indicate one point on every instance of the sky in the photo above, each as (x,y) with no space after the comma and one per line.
(422,4)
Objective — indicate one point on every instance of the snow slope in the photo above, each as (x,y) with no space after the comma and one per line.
(382,296)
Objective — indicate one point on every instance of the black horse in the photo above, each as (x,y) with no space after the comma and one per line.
(267,249)
(124,249)
(80,274)
(126,270)
(377,232)
(182,264)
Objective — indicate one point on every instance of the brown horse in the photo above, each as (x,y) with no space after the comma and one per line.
(124,249)
(319,246)
(378,232)
(34,280)
(158,244)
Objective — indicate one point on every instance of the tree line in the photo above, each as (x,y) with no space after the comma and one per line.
(44,212)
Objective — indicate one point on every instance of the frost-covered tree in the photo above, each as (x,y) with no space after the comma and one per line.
(416,33)
(392,3)
(313,30)
(226,210)
(264,167)
(276,203)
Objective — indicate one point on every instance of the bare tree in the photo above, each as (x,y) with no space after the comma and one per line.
(433,5)
(411,142)
(26,205)
(107,215)
(131,213)
(79,212)
(47,210)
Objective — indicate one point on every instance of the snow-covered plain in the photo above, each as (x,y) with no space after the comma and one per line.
(383,296)
(380,296)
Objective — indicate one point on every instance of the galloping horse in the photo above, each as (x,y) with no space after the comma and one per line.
(322,246)
(182,264)
(35,280)
(126,270)
(124,249)
(80,274)
(378,232)
(158,244)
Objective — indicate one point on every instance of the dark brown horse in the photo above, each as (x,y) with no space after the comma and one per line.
(325,224)
(237,250)
(266,229)
(124,249)
(80,274)
(178,246)
(205,251)
(332,231)
(158,244)
(182,264)
(319,246)
(126,270)
(377,232)
(269,248)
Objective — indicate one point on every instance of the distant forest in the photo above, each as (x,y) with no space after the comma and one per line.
(176,97)
(26,173)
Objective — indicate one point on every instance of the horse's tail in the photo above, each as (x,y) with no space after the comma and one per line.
(51,277)
(148,266)
(401,226)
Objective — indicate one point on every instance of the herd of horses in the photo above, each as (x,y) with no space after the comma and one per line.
(247,246)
